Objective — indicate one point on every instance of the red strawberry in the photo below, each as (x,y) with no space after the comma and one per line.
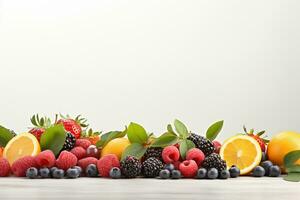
(37,132)
(258,137)
(40,125)
(73,125)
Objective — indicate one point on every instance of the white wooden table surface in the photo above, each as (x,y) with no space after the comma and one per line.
(135,189)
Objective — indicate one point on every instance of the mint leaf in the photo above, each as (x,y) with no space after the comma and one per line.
(290,159)
(136,133)
(185,145)
(53,139)
(293,177)
(213,131)
(181,129)
(135,149)
(5,136)
(105,138)
(164,140)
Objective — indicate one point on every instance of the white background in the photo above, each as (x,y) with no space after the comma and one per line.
(151,62)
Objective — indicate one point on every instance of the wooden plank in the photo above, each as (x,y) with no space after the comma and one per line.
(243,188)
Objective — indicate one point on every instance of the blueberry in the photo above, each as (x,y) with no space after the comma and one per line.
(201,173)
(274,171)
(73,173)
(212,173)
(266,165)
(115,173)
(45,172)
(224,174)
(169,167)
(52,169)
(32,172)
(234,172)
(164,174)
(258,171)
(78,168)
(175,174)
(91,170)
(58,173)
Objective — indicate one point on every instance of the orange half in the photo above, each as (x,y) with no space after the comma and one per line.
(242,151)
(24,144)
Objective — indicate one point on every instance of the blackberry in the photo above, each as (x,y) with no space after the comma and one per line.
(69,142)
(151,167)
(202,143)
(131,167)
(214,161)
(155,152)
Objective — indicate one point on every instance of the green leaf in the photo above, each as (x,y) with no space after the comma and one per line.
(293,177)
(170,129)
(185,145)
(181,129)
(135,149)
(5,136)
(165,139)
(105,138)
(136,133)
(53,139)
(213,131)
(291,158)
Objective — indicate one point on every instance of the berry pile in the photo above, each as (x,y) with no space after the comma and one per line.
(66,148)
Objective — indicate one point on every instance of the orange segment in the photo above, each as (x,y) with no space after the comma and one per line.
(242,151)
(24,144)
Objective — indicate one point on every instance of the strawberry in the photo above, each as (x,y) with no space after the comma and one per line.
(262,141)
(40,125)
(74,126)
(90,135)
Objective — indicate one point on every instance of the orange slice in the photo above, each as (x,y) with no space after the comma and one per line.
(242,151)
(24,144)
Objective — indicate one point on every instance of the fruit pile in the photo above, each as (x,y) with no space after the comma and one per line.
(68,148)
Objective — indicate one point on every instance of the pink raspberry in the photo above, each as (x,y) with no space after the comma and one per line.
(4,167)
(84,143)
(20,166)
(170,154)
(195,154)
(217,146)
(66,160)
(79,152)
(83,163)
(188,168)
(107,162)
(45,159)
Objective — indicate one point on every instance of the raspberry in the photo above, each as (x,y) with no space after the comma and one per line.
(4,167)
(107,162)
(84,143)
(83,163)
(217,146)
(66,160)
(195,154)
(79,152)
(20,166)
(45,159)
(188,168)
(170,154)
